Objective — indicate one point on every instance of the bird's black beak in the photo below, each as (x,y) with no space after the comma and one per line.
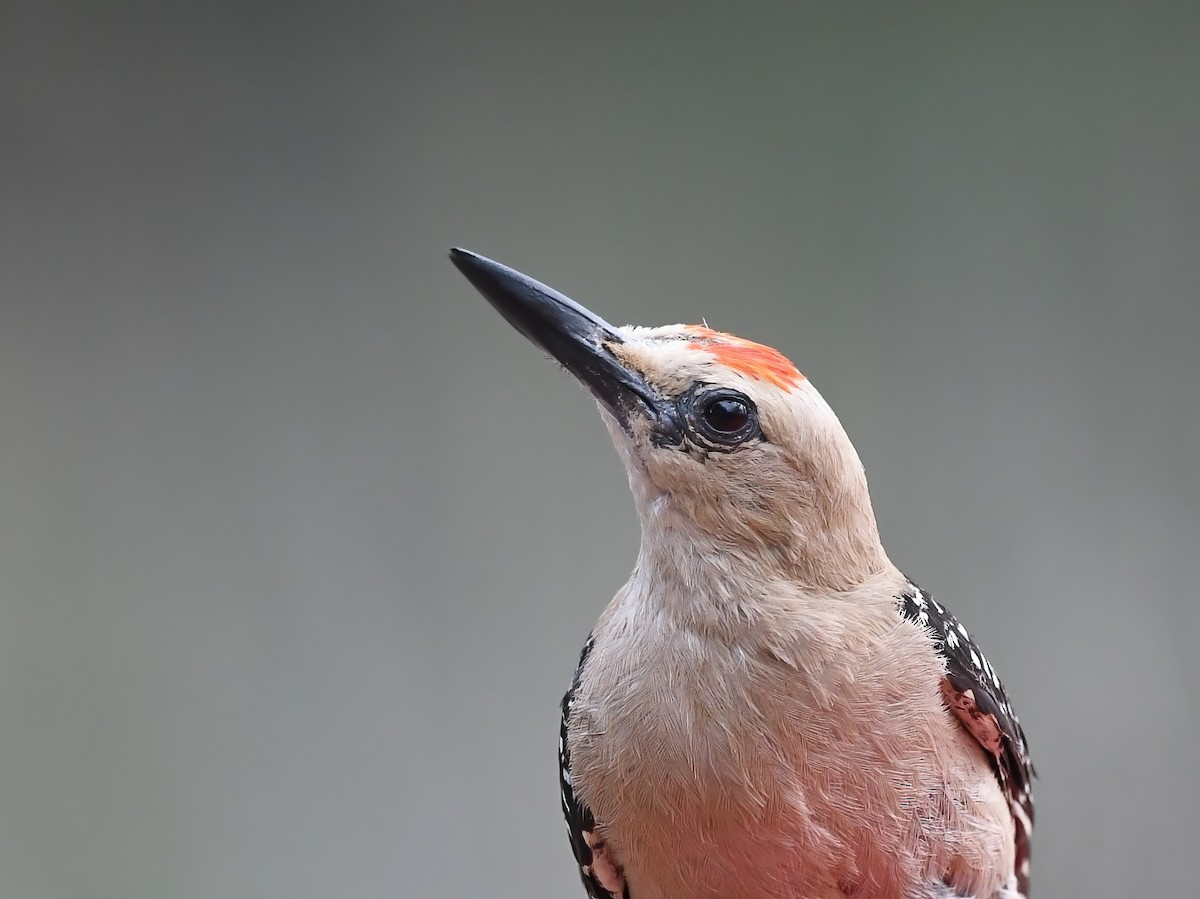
(575,336)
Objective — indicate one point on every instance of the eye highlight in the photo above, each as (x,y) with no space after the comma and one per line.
(721,419)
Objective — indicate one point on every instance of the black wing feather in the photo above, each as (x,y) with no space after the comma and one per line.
(972,680)
(579,816)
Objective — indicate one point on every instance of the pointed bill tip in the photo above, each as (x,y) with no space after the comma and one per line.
(480,270)
(572,334)
(473,265)
(510,291)
(461,257)
(552,321)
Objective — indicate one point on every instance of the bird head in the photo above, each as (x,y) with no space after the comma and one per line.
(726,443)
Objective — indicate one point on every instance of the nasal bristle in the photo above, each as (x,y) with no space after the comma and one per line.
(747,357)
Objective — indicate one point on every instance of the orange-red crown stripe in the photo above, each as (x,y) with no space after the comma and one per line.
(751,359)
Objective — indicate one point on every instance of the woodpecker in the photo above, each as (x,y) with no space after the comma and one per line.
(768,708)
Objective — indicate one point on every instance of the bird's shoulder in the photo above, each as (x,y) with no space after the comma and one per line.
(975,694)
(601,875)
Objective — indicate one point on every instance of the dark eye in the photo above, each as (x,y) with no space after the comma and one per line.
(721,418)
(726,415)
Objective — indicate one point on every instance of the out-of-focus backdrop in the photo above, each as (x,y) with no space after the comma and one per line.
(299,540)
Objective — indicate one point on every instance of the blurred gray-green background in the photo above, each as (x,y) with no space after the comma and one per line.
(299,541)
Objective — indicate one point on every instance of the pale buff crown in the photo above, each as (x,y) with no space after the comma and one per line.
(795,498)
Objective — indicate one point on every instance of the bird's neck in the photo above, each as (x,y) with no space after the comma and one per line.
(705,581)
(823,540)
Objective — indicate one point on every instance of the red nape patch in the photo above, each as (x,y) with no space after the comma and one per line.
(751,359)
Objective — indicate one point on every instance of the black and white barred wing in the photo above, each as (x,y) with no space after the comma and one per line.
(974,693)
(601,875)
